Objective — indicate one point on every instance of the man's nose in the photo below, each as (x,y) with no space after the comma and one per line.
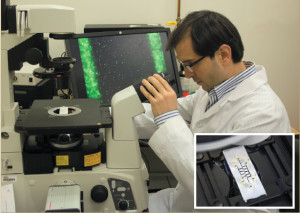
(188,74)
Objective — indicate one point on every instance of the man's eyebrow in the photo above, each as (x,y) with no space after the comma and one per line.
(186,61)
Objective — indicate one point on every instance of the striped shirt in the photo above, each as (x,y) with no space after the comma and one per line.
(162,118)
(216,93)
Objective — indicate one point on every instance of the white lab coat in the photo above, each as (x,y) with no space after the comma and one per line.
(252,107)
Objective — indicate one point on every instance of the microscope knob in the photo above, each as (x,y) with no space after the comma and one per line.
(99,193)
(123,204)
(64,139)
(33,56)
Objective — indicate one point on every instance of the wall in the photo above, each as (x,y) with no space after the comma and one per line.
(269,29)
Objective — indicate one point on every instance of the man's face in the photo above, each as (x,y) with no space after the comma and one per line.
(207,72)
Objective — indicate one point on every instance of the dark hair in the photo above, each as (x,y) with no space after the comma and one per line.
(208,30)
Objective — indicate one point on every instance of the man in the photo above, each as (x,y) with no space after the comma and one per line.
(234,97)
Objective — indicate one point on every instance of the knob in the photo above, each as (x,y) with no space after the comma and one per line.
(64,139)
(99,193)
(33,56)
(123,204)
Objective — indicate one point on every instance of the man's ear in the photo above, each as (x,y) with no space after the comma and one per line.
(225,53)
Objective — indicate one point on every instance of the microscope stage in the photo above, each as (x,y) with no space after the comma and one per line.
(64,116)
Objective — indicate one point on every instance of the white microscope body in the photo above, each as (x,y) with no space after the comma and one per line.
(124,175)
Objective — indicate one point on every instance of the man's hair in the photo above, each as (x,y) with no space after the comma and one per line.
(208,30)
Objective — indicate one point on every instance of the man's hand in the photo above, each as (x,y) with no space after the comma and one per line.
(162,96)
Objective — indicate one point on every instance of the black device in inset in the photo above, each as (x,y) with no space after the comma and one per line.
(272,159)
(107,62)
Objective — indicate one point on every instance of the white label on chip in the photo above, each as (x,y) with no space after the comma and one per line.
(63,110)
(244,173)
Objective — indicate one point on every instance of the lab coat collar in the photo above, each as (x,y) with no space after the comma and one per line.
(244,88)
(255,81)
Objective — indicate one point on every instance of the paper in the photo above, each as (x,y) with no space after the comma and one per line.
(63,110)
(63,198)
(7,198)
(244,173)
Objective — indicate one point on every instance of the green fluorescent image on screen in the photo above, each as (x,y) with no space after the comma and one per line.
(111,63)
(157,52)
(89,68)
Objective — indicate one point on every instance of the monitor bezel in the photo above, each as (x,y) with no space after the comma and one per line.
(77,75)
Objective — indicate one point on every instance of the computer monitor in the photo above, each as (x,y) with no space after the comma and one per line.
(108,62)
(92,28)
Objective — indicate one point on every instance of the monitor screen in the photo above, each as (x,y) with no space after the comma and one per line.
(107,62)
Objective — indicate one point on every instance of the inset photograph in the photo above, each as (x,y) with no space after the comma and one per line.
(251,171)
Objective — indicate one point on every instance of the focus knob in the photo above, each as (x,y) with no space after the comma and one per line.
(34,56)
(123,204)
(99,193)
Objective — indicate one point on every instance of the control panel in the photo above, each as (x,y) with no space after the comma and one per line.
(122,194)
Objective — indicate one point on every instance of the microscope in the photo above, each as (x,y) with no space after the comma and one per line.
(53,154)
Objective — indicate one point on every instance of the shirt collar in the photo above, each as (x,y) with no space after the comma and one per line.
(222,89)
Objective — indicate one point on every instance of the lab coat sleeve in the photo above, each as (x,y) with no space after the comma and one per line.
(185,107)
(145,122)
(173,144)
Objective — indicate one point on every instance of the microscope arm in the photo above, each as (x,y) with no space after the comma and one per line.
(122,140)
(125,106)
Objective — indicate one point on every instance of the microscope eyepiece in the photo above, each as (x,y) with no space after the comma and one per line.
(137,86)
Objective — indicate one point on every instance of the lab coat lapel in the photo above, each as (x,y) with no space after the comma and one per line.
(247,86)
(213,109)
